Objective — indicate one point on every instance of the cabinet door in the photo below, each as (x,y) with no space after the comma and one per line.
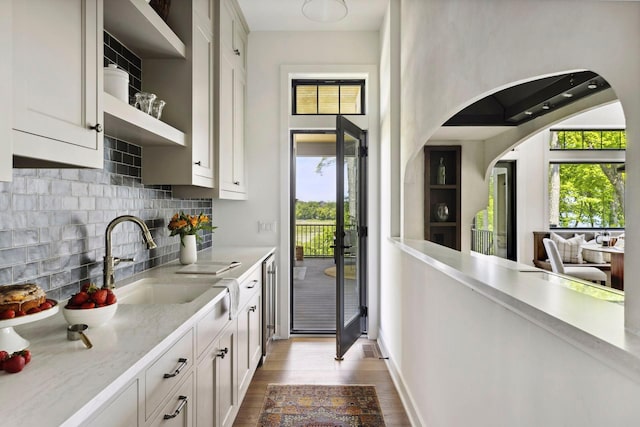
(121,412)
(226,371)
(57,81)
(216,394)
(225,127)
(202,137)
(239,89)
(178,411)
(6,92)
(249,342)
(240,45)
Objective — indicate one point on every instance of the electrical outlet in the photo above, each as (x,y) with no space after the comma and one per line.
(266,227)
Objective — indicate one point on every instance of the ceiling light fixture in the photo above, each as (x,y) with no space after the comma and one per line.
(528,113)
(592,85)
(546,106)
(324,10)
(567,95)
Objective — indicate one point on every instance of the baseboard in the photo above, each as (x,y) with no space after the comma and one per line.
(398,381)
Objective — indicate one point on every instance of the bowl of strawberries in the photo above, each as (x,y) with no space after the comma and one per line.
(92,306)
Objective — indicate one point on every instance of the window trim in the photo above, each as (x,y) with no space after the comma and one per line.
(327,82)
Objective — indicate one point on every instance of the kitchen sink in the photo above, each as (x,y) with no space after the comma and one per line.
(162,291)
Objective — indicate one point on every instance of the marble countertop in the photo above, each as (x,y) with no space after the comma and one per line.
(594,325)
(65,382)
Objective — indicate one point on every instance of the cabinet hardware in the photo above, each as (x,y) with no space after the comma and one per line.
(183,401)
(183,363)
(254,283)
(236,182)
(97,127)
(199,163)
(253,308)
(236,51)
(222,353)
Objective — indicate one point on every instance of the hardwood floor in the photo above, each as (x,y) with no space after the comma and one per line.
(311,361)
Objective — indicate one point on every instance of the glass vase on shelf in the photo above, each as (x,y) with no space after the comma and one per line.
(442,173)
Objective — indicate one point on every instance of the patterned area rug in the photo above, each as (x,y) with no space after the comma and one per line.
(321,406)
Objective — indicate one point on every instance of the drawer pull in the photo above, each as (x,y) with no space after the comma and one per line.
(253,308)
(236,51)
(183,401)
(183,363)
(236,182)
(253,284)
(198,163)
(222,353)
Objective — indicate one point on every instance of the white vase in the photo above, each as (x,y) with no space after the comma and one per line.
(188,250)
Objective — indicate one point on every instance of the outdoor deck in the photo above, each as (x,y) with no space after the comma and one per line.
(314,295)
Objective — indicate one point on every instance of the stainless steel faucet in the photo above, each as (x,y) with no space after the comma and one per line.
(110,261)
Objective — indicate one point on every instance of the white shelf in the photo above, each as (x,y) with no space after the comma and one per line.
(122,121)
(136,25)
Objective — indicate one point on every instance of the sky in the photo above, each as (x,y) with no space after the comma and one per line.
(311,186)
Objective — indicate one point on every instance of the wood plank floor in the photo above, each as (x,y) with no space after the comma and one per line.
(307,360)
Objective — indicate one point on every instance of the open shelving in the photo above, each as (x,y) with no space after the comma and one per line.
(444,231)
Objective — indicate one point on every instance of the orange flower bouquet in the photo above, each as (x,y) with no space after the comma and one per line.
(184,224)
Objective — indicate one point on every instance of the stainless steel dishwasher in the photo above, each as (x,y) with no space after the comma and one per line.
(269,298)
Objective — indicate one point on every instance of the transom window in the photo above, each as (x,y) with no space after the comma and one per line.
(592,139)
(319,97)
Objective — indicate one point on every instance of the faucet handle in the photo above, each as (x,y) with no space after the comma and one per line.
(117,260)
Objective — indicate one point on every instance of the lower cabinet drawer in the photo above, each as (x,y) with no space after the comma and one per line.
(250,286)
(122,411)
(210,325)
(178,411)
(166,372)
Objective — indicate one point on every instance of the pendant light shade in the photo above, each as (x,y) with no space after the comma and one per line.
(324,10)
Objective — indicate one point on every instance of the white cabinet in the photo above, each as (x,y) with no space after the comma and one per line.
(229,82)
(231,56)
(188,88)
(122,411)
(178,410)
(57,83)
(216,388)
(249,342)
(6,93)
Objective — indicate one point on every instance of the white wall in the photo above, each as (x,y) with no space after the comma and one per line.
(462,360)
(267,146)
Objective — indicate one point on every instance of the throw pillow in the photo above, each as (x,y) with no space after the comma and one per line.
(570,249)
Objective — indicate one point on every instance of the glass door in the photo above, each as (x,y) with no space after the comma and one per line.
(351,231)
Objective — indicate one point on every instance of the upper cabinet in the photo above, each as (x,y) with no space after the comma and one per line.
(231,56)
(57,83)
(210,89)
(6,93)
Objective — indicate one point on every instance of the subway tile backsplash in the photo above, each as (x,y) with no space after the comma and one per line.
(53,221)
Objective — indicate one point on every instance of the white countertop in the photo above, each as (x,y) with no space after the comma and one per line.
(594,325)
(64,383)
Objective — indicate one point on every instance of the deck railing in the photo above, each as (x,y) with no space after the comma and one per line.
(316,239)
(482,241)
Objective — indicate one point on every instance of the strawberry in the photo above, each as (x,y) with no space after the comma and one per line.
(80,298)
(20,313)
(24,353)
(7,314)
(3,356)
(111,298)
(33,310)
(88,304)
(14,364)
(85,287)
(99,296)
(45,305)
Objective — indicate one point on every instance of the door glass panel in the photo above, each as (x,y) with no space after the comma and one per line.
(350,254)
